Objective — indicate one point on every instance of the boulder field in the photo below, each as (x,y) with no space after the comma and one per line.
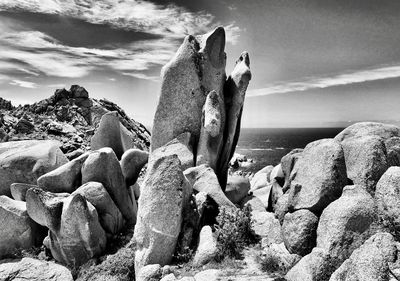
(88,173)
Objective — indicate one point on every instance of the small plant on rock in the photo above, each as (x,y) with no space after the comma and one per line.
(234,232)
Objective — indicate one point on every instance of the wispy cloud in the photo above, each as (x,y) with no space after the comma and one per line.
(309,83)
(36,53)
(165,20)
(48,56)
(23,84)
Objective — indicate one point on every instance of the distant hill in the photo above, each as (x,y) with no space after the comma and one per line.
(69,116)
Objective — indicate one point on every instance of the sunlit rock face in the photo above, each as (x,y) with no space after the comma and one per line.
(197,98)
(197,68)
(196,128)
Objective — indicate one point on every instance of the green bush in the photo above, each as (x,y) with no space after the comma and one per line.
(234,232)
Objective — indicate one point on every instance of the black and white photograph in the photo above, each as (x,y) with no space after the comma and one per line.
(207,140)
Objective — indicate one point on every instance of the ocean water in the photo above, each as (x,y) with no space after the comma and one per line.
(267,146)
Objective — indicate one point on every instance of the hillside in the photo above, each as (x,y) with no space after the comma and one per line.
(69,116)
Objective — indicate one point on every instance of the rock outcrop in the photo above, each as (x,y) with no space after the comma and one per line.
(103,166)
(299,231)
(204,179)
(79,236)
(387,197)
(18,230)
(33,269)
(318,177)
(207,248)
(369,148)
(26,161)
(200,65)
(158,225)
(132,162)
(343,223)
(69,116)
(212,131)
(370,262)
(234,94)
(196,98)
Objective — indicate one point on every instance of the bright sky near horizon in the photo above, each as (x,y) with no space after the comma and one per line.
(314,62)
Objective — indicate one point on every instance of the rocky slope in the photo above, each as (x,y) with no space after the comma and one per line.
(69,116)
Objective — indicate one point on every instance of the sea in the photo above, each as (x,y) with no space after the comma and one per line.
(266,146)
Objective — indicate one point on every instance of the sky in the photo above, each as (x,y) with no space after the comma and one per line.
(314,62)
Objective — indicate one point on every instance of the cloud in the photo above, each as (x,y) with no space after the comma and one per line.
(47,56)
(36,53)
(168,21)
(143,76)
(23,84)
(360,76)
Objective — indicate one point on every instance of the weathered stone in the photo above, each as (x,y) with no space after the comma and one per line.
(18,231)
(318,177)
(370,262)
(34,270)
(203,179)
(276,173)
(77,91)
(316,266)
(263,194)
(18,190)
(274,195)
(261,178)
(160,212)
(197,68)
(287,163)
(207,248)
(26,161)
(387,197)
(132,162)
(253,203)
(237,188)
(108,134)
(359,130)
(45,207)
(181,146)
(103,166)
(234,94)
(343,222)
(267,227)
(365,160)
(110,216)
(281,207)
(212,130)
(24,126)
(393,151)
(65,178)
(80,236)
(151,272)
(299,231)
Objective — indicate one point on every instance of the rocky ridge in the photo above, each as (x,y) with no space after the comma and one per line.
(69,116)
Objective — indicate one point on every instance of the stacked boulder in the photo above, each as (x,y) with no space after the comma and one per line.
(82,203)
(71,117)
(330,197)
(79,203)
(195,131)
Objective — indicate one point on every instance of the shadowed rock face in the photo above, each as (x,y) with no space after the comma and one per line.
(197,68)
(234,93)
(210,143)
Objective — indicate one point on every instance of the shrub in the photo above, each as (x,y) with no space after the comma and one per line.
(119,266)
(234,232)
